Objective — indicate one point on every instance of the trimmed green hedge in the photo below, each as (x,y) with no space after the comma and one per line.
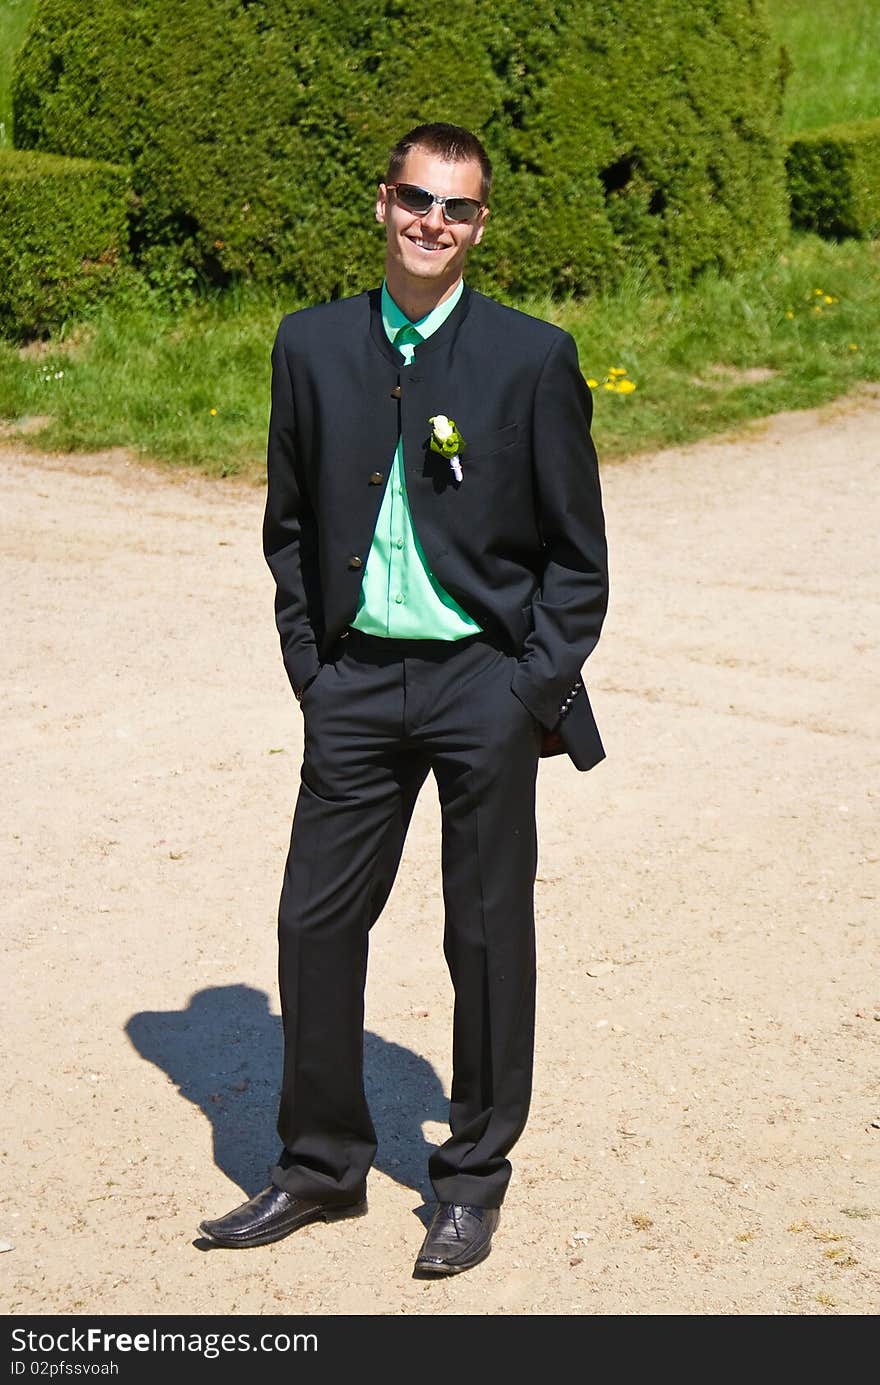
(63,235)
(257,129)
(834,179)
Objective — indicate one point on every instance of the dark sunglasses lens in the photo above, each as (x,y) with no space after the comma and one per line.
(414,199)
(462,209)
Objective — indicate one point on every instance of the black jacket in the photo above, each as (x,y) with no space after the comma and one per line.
(519,542)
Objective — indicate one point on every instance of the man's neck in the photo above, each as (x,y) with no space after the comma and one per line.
(417,299)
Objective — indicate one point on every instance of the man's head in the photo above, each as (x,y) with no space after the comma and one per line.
(451,143)
(427,241)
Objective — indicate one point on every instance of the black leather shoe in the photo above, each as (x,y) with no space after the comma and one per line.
(273,1214)
(459,1237)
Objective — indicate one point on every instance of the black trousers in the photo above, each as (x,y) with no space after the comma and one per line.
(380,715)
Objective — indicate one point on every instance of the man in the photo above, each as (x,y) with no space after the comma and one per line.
(435,530)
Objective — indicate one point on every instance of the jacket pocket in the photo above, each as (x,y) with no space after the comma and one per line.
(484,444)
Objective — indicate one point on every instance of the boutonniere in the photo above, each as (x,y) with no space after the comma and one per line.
(447,440)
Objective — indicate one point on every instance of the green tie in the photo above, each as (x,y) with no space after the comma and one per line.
(407,340)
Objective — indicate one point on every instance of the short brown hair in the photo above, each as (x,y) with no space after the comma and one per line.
(451,142)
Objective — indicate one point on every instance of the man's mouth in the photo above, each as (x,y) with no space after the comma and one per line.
(426,244)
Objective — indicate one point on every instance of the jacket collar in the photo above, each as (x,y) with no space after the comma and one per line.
(444,333)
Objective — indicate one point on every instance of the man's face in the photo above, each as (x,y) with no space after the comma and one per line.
(428,247)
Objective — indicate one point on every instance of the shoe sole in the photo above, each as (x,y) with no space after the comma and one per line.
(430,1269)
(265,1238)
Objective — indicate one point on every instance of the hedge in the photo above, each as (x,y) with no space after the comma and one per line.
(257,129)
(63,235)
(834,179)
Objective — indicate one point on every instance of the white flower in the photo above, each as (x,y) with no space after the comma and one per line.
(447,440)
(443,428)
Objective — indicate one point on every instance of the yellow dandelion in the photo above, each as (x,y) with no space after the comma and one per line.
(593,384)
(819,292)
(789,313)
(609,385)
(626,386)
(818,308)
(617,370)
(853,346)
(213,413)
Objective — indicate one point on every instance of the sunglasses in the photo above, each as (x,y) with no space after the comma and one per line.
(419,201)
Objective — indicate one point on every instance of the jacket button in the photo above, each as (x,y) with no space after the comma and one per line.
(355,562)
(377,478)
(396,392)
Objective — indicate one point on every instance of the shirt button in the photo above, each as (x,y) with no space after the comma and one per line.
(400,490)
(399,599)
(399,543)
(376,478)
(355,562)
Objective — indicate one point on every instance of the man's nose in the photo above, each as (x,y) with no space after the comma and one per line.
(433,218)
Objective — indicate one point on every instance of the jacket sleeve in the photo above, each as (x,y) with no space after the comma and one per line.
(288,529)
(570,605)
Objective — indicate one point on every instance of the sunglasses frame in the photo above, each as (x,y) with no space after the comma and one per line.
(440,202)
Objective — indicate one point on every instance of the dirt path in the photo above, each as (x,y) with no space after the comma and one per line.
(701,1138)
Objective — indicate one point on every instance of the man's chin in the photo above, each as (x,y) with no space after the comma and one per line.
(425,271)
(426,264)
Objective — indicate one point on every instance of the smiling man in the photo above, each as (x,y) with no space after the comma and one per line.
(434,527)
(426,247)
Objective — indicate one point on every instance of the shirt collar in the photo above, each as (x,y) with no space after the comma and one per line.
(393,319)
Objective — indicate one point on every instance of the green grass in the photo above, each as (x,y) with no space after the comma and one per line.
(701,361)
(14,17)
(149,379)
(834,46)
(727,351)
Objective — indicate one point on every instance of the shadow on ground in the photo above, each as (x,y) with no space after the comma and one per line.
(223,1053)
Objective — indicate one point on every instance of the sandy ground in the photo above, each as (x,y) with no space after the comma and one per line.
(704,1132)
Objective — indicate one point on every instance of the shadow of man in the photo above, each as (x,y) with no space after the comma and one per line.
(223,1053)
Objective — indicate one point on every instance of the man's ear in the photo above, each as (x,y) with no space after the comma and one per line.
(478,233)
(381,203)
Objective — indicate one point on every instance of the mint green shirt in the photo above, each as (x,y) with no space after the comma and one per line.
(400,597)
